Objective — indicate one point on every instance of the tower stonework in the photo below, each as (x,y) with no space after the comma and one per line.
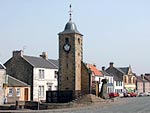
(70,59)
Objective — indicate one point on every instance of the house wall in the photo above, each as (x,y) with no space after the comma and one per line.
(48,80)
(139,87)
(86,84)
(12,98)
(147,87)
(118,87)
(110,81)
(2,80)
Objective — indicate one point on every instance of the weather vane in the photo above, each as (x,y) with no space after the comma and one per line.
(70,12)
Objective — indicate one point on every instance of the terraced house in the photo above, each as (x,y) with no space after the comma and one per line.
(38,72)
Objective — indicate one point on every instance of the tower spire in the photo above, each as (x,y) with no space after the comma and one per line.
(70,13)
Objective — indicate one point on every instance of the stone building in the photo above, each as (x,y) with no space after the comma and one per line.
(38,72)
(2,82)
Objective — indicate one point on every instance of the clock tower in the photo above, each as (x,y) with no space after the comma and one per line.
(70,58)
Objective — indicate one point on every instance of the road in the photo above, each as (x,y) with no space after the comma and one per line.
(123,105)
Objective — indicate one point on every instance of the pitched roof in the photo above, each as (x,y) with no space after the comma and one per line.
(41,62)
(2,66)
(140,79)
(147,77)
(114,72)
(124,70)
(13,82)
(105,73)
(95,71)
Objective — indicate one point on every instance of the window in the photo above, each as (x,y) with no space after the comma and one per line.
(55,74)
(134,81)
(18,92)
(118,83)
(41,74)
(79,40)
(41,91)
(130,79)
(10,91)
(66,40)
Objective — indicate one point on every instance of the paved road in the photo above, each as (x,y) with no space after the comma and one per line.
(124,105)
(131,105)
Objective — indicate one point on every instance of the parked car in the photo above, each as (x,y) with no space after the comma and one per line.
(147,93)
(132,94)
(126,94)
(141,94)
(121,94)
(113,94)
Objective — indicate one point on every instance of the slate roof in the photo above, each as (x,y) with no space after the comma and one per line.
(95,71)
(41,62)
(147,77)
(105,73)
(140,79)
(13,82)
(70,27)
(114,74)
(124,70)
(2,66)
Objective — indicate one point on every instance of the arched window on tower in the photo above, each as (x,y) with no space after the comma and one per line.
(66,40)
(79,40)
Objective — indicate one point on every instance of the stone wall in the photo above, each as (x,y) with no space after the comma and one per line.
(86,81)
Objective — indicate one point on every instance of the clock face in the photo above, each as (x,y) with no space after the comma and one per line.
(67,47)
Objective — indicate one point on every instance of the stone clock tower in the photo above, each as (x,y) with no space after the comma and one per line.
(70,58)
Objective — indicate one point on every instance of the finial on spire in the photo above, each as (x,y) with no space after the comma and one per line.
(70,12)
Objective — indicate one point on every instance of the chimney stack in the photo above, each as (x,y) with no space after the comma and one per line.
(103,68)
(111,64)
(44,55)
(18,53)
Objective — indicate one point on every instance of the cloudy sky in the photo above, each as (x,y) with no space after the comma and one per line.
(114,30)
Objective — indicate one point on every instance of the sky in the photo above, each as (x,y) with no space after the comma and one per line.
(114,30)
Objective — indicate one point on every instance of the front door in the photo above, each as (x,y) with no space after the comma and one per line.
(26,94)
